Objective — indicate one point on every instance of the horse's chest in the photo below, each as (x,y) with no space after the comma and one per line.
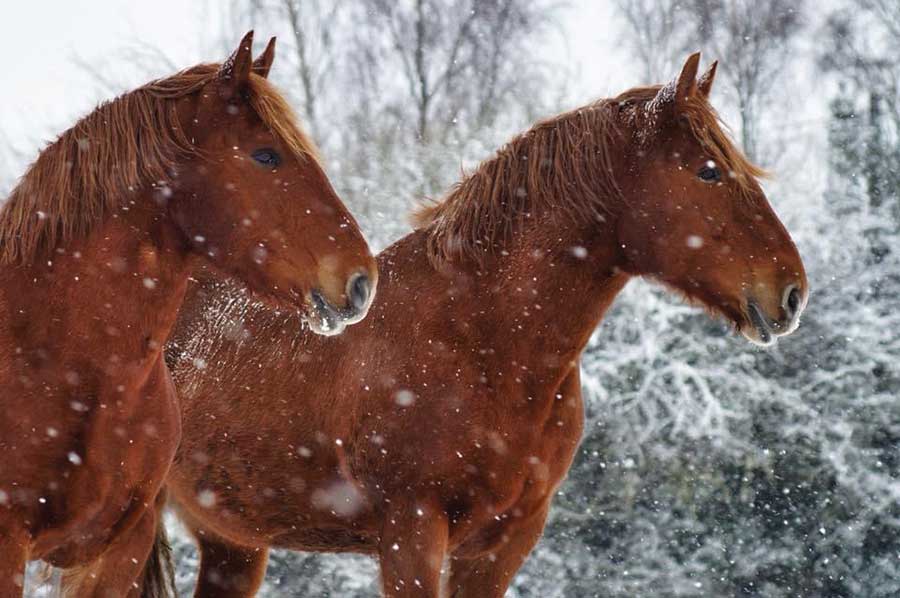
(538,442)
(527,461)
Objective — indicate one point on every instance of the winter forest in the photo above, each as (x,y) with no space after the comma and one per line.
(708,467)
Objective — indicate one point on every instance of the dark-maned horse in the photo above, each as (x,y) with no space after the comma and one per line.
(435,433)
(97,242)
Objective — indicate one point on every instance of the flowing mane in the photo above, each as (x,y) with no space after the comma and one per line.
(122,146)
(564,164)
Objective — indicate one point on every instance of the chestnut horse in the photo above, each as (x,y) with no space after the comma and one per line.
(434,434)
(97,242)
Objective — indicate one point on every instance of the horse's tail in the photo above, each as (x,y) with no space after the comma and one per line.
(159,572)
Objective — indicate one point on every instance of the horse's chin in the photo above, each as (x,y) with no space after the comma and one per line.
(323,324)
(758,337)
(756,328)
(747,320)
(325,319)
(321,319)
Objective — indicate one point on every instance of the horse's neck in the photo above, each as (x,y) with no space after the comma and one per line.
(536,302)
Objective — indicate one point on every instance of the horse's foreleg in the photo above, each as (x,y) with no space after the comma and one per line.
(13,557)
(489,575)
(412,549)
(118,571)
(228,570)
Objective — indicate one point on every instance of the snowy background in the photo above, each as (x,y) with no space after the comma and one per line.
(708,468)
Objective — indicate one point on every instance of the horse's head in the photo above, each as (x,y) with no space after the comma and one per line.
(255,201)
(698,220)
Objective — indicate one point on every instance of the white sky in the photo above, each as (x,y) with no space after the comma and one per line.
(43,91)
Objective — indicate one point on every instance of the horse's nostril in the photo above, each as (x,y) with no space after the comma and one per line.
(792,301)
(358,290)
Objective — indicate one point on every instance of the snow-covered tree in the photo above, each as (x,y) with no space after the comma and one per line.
(708,467)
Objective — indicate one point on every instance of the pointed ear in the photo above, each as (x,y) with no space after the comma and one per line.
(704,85)
(262,64)
(679,90)
(235,72)
(687,80)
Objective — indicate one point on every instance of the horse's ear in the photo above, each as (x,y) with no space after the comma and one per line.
(686,85)
(679,90)
(235,72)
(704,85)
(262,64)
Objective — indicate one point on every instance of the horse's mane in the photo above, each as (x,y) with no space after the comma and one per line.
(564,164)
(122,146)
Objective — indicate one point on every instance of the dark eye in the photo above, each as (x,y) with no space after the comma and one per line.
(267,157)
(709,173)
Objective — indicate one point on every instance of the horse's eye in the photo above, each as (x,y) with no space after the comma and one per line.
(267,157)
(709,173)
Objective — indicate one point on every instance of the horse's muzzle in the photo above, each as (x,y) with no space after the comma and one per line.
(325,319)
(765,329)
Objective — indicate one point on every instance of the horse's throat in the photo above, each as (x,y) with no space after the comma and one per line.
(555,302)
